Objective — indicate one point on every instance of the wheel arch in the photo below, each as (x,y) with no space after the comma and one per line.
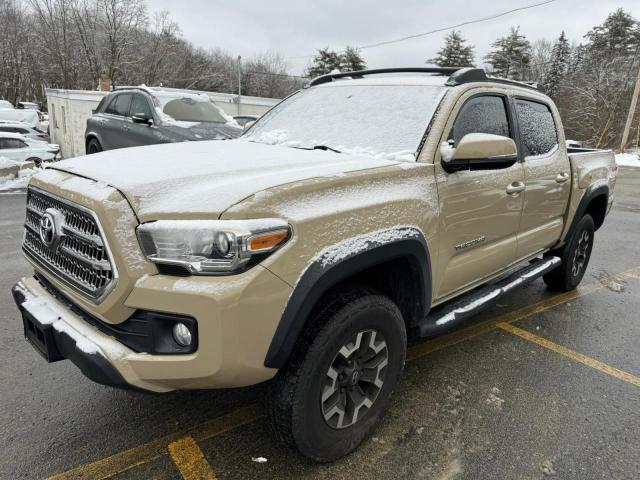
(593,202)
(400,269)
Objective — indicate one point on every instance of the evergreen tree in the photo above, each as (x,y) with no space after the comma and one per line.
(454,53)
(618,35)
(560,58)
(324,62)
(351,60)
(511,56)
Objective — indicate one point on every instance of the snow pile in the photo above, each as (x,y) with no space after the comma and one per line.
(628,160)
(12,182)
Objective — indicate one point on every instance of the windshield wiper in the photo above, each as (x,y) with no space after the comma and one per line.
(325,148)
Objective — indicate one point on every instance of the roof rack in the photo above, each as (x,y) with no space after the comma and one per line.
(457,76)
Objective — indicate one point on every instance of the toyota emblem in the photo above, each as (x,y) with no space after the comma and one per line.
(49,230)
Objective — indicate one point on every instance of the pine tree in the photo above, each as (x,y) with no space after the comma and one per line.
(511,56)
(560,57)
(351,60)
(454,53)
(618,35)
(324,62)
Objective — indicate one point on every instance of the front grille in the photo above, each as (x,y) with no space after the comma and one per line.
(80,258)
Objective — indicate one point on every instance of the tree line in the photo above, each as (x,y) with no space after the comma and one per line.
(70,43)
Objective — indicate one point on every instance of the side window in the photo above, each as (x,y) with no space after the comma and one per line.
(12,143)
(140,105)
(484,114)
(119,105)
(537,127)
(2,144)
(111,106)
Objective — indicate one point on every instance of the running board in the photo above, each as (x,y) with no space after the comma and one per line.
(468,305)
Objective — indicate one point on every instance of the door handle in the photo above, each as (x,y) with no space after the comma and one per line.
(562,177)
(515,188)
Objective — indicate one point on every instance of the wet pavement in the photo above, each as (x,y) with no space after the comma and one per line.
(481,402)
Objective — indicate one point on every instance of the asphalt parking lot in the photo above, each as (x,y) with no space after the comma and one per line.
(542,385)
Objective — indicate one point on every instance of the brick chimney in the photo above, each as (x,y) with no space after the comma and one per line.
(105,83)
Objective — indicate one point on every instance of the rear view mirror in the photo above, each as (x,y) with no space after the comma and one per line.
(480,151)
(141,118)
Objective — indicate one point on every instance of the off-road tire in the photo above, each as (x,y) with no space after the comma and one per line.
(93,146)
(575,258)
(294,406)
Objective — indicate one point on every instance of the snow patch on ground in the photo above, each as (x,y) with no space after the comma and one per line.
(12,182)
(628,160)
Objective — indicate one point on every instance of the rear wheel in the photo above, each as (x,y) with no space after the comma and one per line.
(340,379)
(575,258)
(93,146)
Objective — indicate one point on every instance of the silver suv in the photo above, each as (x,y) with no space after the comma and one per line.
(131,117)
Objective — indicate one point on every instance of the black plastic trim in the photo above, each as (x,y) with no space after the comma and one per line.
(93,366)
(592,192)
(319,278)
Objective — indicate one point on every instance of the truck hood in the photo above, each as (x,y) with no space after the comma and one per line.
(203,179)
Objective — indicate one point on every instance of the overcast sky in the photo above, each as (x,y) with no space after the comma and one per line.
(295,28)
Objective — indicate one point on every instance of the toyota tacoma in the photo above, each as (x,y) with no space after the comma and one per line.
(364,207)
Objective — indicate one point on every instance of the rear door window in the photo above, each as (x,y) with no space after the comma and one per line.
(538,133)
(482,114)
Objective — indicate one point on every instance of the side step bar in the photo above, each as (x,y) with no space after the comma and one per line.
(459,310)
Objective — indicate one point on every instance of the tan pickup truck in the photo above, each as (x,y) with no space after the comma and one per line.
(364,207)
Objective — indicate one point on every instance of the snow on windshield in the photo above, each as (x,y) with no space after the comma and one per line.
(378,120)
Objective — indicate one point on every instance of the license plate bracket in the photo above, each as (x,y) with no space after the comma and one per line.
(41,337)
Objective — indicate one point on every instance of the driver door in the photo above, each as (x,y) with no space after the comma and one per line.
(480,210)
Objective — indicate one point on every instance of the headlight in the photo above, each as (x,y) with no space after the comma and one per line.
(211,247)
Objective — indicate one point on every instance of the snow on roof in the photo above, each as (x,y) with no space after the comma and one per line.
(11,135)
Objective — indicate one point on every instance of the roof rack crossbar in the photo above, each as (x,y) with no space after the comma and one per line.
(330,77)
(457,76)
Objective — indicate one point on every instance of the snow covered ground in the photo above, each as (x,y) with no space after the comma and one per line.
(14,180)
(628,159)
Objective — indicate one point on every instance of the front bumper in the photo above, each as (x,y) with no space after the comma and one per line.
(236,319)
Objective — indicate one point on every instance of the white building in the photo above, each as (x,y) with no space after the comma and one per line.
(69,110)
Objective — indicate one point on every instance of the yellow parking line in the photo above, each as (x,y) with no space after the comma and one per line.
(128,459)
(578,357)
(190,460)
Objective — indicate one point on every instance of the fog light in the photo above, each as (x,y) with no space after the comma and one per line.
(181,334)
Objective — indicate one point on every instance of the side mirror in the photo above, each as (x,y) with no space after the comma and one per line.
(479,151)
(141,118)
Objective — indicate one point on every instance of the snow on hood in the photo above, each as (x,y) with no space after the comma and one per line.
(203,179)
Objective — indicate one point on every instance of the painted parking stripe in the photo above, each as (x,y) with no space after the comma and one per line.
(128,459)
(572,354)
(190,460)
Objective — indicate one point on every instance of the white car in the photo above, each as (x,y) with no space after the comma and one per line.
(18,148)
(34,133)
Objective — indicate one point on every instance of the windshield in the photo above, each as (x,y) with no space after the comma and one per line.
(188,109)
(379,120)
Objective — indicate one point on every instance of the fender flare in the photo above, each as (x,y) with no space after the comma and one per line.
(593,191)
(321,275)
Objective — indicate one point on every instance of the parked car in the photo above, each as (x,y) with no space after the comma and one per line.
(245,120)
(275,257)
(19,148)
(130,117)
(30,117)
(34,133)
(27,106)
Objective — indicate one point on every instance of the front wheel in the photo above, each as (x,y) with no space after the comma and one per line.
(339,381)
(36,161)
(575,258)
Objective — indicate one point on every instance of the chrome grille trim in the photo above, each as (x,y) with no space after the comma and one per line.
(83,260)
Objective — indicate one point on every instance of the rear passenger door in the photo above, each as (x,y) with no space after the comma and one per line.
(547,176)
(480,209)
(113,121)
